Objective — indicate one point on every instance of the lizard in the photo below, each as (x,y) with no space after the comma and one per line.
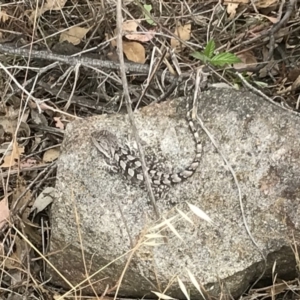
(124,160)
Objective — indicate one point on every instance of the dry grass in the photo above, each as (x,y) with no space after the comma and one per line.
(43,92)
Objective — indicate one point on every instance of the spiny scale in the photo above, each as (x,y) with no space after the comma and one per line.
(124,159)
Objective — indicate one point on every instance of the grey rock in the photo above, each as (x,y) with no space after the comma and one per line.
(108,216)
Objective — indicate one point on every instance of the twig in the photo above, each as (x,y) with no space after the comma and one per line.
(15,172)
(75,60)
(254,6)
(128,105)
(275,28)
(29,81)
(260,93)
(151,76)
(45,177)
(17,83)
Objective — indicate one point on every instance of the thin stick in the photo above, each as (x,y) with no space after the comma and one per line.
(128,105)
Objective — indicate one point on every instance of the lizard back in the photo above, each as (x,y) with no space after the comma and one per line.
(125,160)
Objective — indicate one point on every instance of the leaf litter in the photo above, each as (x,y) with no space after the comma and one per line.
(203,32)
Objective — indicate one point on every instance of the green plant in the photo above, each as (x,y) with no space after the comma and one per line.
(221,59)
(148,8)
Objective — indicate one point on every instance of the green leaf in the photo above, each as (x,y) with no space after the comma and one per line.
(200,56)
(148,8)
(209,49)
(224,58)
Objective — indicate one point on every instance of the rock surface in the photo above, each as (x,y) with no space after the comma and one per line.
(108,216)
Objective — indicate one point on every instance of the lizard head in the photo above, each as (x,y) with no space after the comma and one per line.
(106,142)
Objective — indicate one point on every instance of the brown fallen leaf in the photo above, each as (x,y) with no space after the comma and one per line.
(131,27)
(54,4)
(231,10)
(134,52)
(141,37)
(247,59)
(4,212)
(51,154)
(265,3)
(4,16)
(293,74)
(74,35)
(11,159)
(184,33)
(58,123)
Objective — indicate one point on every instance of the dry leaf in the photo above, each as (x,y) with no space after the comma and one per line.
(4,212)
(141,37)
(74,35)
(184,33)
(45,198)
(10,159)
(132,34)
(134,52)
(58,123)
(130,25)
(3,16)
(265,3)
(247,58)
(293,74)
(231,10)
(51,154)
(54,4)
